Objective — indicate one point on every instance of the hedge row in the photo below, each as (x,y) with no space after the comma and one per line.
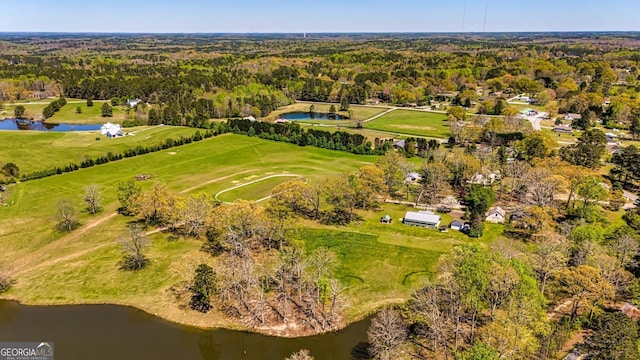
(109,157)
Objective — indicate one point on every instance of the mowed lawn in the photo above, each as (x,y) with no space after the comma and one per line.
(67,114)
(88,114)
(408,122)
(385,263)
(39,150)
(254,189)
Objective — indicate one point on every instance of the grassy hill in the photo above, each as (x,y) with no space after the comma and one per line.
(379,263)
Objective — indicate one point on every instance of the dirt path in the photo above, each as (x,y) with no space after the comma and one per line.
(561,309)
(83,252)
(63,241)
(379,115)
(21,266)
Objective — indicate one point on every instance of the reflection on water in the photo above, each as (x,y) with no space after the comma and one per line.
(298,115)
(20,124)
(119,332)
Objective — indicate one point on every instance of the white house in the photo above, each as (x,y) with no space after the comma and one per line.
(424,219)
(412,177)
(133,102)
(496,215)
(484,179)
(111,130)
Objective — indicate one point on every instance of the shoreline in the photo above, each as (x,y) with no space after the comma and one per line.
(223,323)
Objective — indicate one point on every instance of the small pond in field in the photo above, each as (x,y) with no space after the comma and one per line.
(20,124)
(300,115)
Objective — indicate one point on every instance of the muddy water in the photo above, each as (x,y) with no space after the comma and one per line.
(119,332)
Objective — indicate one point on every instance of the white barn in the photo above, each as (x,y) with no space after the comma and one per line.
(424,219)
(111,130)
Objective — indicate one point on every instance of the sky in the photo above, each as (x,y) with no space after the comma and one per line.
(320,16)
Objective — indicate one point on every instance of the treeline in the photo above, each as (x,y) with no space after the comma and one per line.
(295,134)
(109,157)
(234,82)
(54,107)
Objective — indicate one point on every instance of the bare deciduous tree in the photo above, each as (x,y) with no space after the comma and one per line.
(542,185)
(134,244)
(303,354)
(93,198)
(386,334)
(313,194)
(66,215)
(194,214)
(549,257)
(517,170)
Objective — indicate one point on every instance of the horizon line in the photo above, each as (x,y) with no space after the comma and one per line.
(325,33)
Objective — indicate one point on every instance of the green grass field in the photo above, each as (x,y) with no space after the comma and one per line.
(409,122)
(67,114)
(89,115)
(385,263)
(39,150)
(379,263)
(254,189)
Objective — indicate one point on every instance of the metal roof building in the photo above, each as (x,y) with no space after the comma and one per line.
(421,219)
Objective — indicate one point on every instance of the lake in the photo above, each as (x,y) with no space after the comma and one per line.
(19,124)
(120,332)
(299,115)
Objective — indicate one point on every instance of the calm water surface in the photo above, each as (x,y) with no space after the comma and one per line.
(119,332)
(18,124)
(311,116)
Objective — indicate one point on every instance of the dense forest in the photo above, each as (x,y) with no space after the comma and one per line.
(199,78)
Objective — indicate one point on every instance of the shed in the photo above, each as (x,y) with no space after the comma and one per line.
(386,219)
(456,225)
(421,219)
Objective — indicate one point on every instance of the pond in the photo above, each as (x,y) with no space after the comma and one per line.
(20,124)
(299,115)
(120,332)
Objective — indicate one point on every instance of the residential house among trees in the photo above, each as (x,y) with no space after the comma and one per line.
(400,144)
(133,102)
(496,215)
